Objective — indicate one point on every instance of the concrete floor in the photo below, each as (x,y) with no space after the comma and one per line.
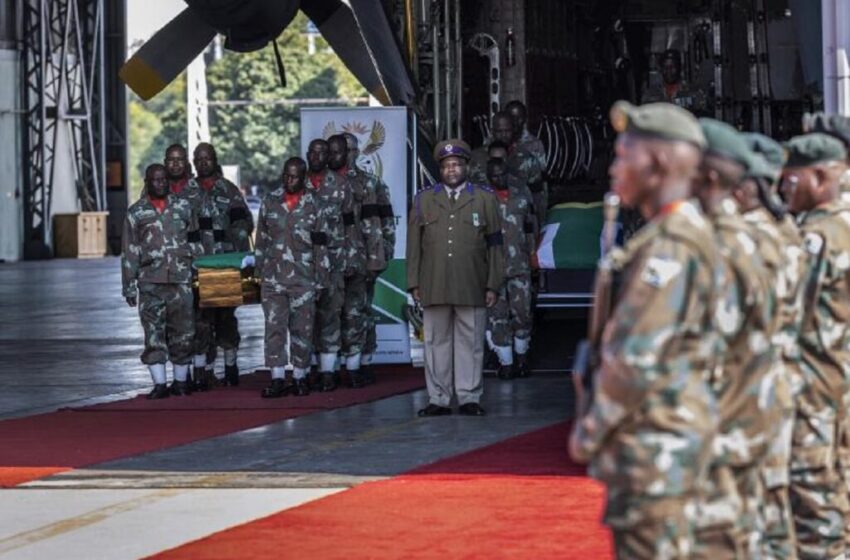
(67,338)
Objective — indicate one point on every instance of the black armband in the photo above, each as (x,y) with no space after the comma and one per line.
(218,235)
(370,211)
(528,227)
(319,237)
(239,213)
(348,218)
(494,239)
(205,223)
(386,211)
(536,187)
(194,236)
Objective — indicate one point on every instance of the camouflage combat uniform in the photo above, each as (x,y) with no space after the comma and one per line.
(819,445)
(528,159)
(226,225)
(509,321)
(653,416)
(335,203)
(157,263)
(291,263)
(369,254)
(728,520)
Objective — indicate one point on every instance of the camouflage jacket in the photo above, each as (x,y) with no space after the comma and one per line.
(743,384)
(374,222)
(825,331)
(649,429)
(291,246)
(225,221)
(528,157)
(517,233)
(335,203)
(159,248)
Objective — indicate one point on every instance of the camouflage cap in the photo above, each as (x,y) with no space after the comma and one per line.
(724,141)
(664,121)
(811,149)
(453,147)
(834,125)
(768,157)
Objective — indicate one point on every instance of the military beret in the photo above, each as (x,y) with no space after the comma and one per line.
(834,125)
(453,147)
(768,157)
(811,149)
(664,121)
(724,141)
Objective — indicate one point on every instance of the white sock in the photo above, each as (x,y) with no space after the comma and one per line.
(299,373)
(365,359)
(200,360)
(521,345)
(488,337)
(278,372)
(230,357)
(352,363)
(181,372)
(327,361)
(158,373)
(506,356)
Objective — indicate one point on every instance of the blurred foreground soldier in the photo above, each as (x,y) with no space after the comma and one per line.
(727,524)
(177,167)
(291,262)
(333,198)
(777,236)
(374,226)
(816,163)
(160,240)
(454,269)
(509,321)
(648,425)
(226,226)
(837,126)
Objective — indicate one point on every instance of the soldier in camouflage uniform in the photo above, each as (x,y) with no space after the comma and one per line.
(160,241)
(728,521)
(812,176)
(781,246)
(177,166)
(333,197)
(291,263)
(374,227)
(837,126)
(226,226)
(529,150)
(648,426)
(509,320)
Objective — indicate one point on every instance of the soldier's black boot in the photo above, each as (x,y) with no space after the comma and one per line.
(368,373)
(279,388)
(180,388)
(356,379)
(190,381)
(231,375)
(506,373)
(159,391)
(314,380)
(521,363)
(302,388)
(201,376)
(328,382)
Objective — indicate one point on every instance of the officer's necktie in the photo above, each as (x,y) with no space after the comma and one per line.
(453,197)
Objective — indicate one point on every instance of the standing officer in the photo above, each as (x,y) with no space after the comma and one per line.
(529,150)
(812,177)
(291,262)
(335,203)
(743,385)
(160,240)
(374,226)
(454,268)
(509,321)
(226,225)
(648,426)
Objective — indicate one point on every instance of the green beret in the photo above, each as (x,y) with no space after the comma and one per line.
(834,125)
(724,141)
(664,121)
(453,147)
(811,149)
(768,157)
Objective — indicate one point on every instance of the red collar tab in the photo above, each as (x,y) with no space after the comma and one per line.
(292,199)
(208,183)
(316,179)
(503,194)
(178,185)
(671,208)
(159,203)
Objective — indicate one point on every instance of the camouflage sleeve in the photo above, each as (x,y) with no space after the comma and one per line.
(413,252)
(321,252)
(637,342)
(263,242)
(387,221)
(495,244)
(241,221)
(351,232)
(194,233)
(130,257)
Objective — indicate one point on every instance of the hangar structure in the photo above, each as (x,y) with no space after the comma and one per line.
(759,64)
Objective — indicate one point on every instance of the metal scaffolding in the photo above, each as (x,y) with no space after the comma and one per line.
(63,67)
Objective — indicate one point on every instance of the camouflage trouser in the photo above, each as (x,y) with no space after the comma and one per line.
(329,316)
(819,500)
(292,311)
(216,326)
(166,314)
(844,464)
(719,531)
(511,316)
(356,311)
(371,344)
(666,534)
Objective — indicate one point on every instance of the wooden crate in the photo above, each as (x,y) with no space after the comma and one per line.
(80,236)
(225,288)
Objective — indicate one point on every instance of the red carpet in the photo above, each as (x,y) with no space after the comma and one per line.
(521,498)
(86,436)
